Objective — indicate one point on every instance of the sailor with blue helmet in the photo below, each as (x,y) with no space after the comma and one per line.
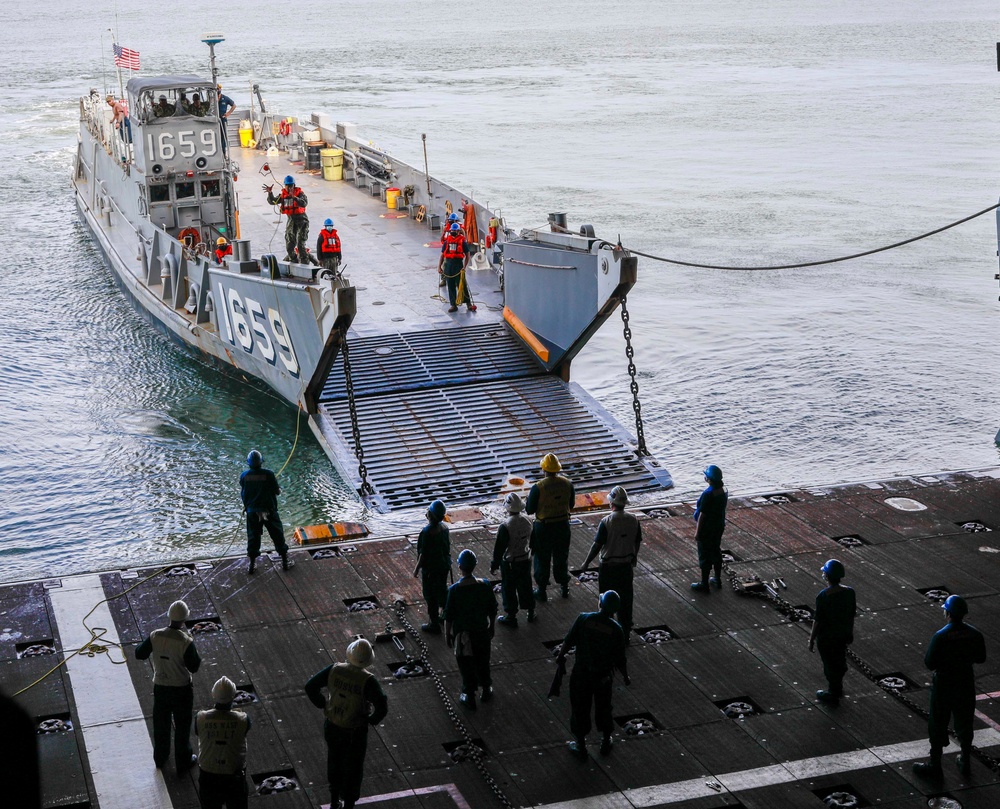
(470,618)
(292,201)
(259,489)
(710,514)
(434,564)
(833,630)
(328,248)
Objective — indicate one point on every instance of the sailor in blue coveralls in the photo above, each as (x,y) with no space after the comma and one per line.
(259,490)
(833,630)
(600,649)
(950,655)
(618,538)
(434,564)
(710,514)
(470,616)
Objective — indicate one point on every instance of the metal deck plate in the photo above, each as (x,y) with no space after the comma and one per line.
(414,441)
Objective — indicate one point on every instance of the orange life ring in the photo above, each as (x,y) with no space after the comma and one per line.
(284,128)
(195,235)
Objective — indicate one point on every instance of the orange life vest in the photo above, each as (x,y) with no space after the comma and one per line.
(331,241)
(290,203)
(454,245)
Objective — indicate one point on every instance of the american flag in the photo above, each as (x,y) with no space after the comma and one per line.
(126,57)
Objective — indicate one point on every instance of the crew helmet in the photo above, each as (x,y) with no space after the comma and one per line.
(454,227)
(956,607)
(328,223)
(550,463)
(453,217)
(360,653)
(437,510)
(224,691)
(610,602)
(178,611)
(834,570)
(255,460)
(221,240)
(514,503)
(618,496)
(289,180)
(467,560)
(713,473)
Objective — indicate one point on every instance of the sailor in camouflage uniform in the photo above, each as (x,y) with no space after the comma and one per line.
(293,202)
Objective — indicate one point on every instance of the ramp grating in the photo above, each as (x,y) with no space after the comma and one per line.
(462,442)
(432,359)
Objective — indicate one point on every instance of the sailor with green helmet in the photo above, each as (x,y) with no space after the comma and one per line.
(354,701)
(617,541)
(551,500)
(434,564)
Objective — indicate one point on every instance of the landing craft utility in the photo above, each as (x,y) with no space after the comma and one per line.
(428,401)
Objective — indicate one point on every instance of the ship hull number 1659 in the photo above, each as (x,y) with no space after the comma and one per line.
(168,145)
(257,332)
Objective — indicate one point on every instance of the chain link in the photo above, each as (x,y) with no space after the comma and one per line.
(366,487)
(475,751)
(640,434)
(768,593)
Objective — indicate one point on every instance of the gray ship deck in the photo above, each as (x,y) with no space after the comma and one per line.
(277,629)
(451,391)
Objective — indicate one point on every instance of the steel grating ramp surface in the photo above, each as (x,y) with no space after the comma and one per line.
(455,412)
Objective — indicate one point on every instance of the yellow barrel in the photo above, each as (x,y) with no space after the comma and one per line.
(246,134)
(332,161)
(391,195)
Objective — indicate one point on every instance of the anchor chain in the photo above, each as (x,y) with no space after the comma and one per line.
(640,435)
(359,452)
(475,752)
(785,608)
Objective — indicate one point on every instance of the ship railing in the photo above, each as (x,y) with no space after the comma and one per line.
(99,120)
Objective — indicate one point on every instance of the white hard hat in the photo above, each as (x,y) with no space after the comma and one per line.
(360,654)
(618,496)
(514,503)
(178,611)
(224,691)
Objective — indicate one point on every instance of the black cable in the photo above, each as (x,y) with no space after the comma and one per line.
(814,263)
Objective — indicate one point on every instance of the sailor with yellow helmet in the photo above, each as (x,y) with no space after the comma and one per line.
(551,500)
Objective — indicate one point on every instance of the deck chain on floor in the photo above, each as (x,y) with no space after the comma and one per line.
(769,593)
(475,751)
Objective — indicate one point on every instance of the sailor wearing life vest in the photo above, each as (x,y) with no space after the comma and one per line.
(551,500)
(513,558)
(452,264)
(328,248)
(174,660)
(222,750)
(617,541)
(354,701)
(222,249)
(293,202)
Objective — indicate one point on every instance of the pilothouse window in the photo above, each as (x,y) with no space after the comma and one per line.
(159,193)
(185,190)
(211,188)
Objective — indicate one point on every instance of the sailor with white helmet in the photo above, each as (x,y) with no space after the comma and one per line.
(222,750)
(512,557)
(551,499)
(617,541)
(174,659)
(354,701)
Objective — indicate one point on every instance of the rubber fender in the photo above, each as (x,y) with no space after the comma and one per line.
(269,264)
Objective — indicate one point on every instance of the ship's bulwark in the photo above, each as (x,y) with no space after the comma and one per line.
(278,629)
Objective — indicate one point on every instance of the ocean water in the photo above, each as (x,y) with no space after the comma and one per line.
(719,132)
